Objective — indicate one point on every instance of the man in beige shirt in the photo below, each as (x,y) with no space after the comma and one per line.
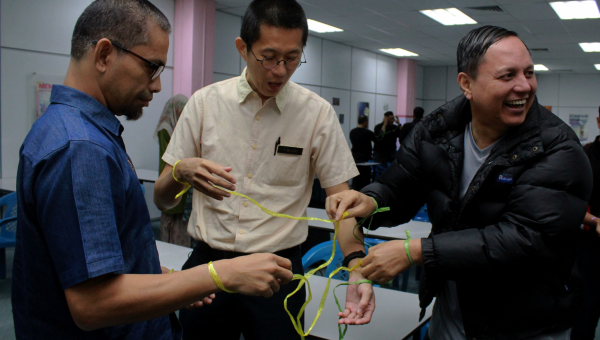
(265,137)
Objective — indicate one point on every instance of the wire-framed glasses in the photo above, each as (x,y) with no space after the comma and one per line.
(270,63)
(156,68)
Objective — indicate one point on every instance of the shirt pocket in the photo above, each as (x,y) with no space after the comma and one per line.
(287,170)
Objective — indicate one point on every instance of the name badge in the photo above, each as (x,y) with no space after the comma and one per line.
(289,150)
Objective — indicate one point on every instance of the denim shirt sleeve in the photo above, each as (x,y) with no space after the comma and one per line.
(78,199)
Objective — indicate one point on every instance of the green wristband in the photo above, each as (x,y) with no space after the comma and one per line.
(376,205)
(407,247)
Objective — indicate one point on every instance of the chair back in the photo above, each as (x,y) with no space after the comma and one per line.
(422,215)
(322,252)
(8,204)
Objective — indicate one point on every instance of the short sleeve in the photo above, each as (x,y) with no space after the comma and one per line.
(186,139)
(75,190)
(330,154)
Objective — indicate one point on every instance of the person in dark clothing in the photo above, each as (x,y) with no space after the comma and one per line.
(588,251)
(417,116)
(506,184)
(361,138)
(387,133)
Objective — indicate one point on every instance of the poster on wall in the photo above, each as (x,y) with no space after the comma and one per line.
(42,96)
(363,109)
(579,125)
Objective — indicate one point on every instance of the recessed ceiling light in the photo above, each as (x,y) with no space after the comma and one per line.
(590,47)
(399,52)
(576,9)
(320,27)
(539,67)
(597,67)
(449,16)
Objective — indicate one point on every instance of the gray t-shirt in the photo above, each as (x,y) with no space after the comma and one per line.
(446,319)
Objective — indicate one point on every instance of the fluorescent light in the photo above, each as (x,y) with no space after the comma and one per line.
(399,52)
(597,67)
(449,16)
(539,67)
(320,27)
(590,47)
(576,9)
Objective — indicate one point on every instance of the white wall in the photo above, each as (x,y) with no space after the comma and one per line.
(332,70)
(568,94)
(36,42)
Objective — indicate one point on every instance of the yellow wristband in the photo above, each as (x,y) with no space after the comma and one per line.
(187,185)
(216,280)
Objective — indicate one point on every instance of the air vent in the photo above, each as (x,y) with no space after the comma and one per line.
(539,50)
(487,8)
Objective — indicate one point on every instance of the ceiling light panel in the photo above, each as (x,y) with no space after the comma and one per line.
(590,47)
(320,27)
(399,52)
(567,10)
(597,67)
(539,67)
(449,16)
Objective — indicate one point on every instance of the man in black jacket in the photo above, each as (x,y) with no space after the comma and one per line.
(361,138)
(417,116)
(506,184)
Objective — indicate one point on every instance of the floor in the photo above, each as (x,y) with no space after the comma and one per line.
(6,322)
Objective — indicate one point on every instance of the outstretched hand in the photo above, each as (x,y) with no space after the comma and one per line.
(360,302)
(357,204)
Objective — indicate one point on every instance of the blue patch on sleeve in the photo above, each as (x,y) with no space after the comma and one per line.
(505,178)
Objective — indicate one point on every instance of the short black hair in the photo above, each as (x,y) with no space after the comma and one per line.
(122,21)
(277,13)
(389,113)
(473,46)
(362,119)
(418,113)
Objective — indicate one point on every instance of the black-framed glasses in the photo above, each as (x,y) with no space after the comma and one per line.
(270,63)
(156,68)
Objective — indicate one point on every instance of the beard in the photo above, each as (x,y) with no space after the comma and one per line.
(133,113)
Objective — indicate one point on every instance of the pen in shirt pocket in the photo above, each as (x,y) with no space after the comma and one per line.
(276,145)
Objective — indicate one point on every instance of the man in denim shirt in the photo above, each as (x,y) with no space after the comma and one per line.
(85,247)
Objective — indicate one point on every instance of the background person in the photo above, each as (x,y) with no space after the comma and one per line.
(588,252)
(86,264)
(406,128)
(384,149)
(173,222)
(505,202)
(361,138)
(266,137)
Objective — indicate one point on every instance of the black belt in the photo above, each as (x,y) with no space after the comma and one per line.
(217,254)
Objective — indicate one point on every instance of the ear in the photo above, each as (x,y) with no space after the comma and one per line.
(103,55)
(240,45)
(464,81)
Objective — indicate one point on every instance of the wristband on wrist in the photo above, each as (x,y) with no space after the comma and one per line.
(376,205)
(187,185)
(407,247)
(355,255)
(216,280)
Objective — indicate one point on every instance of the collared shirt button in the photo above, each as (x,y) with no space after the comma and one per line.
(257,117)
(250,176)
(246,204)
(241,231)
(254,146)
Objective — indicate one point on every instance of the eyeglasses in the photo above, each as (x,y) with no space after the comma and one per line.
(156,68)
(271,63)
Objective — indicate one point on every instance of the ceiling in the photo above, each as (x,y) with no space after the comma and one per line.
(375,24)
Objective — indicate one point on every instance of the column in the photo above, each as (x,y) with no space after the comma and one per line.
(193,45)
(407,85)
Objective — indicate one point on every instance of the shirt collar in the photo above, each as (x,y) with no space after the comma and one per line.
(86,105)
(244,90)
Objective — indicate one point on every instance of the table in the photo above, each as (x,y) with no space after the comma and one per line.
(367,164)
(417,229)
(145,175)
(8,184)
(396,314)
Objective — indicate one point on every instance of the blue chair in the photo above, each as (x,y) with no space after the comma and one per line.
(322,252)
(8,228)
(424,329)
(422,214)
